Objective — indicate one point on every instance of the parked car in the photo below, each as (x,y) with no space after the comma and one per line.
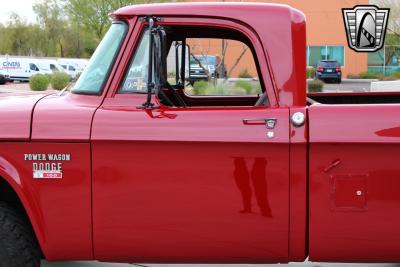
(78,63)
(71,69)
(3,77)
(19,68)
(149,174)
(210,67)
(329,70)
(50,64)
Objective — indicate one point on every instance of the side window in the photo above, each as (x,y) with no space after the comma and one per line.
(219,67)
(217,62)
(135,80)
(53,67)
(71,68)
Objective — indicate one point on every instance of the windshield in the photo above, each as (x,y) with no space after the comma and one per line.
(93,77)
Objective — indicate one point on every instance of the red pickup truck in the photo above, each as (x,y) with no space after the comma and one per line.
(132,164)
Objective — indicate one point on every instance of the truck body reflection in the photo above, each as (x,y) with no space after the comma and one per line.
(256,177)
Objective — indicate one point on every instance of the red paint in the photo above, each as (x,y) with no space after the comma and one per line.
(298,189)
(354,148)
(16,115)
(200,184)
(64,118)
(187,209)
(59,209)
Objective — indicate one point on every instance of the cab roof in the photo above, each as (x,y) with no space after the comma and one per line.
(214,9)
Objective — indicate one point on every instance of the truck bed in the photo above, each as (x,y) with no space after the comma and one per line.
(355,97)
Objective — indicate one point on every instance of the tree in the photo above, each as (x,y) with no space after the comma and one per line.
(51,18)
(19,35)
(198,46)
(393,26)
(93,14)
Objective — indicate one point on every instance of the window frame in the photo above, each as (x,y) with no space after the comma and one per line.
(258,51)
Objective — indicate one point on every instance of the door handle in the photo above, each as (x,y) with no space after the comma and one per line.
(253,121)
(268,122)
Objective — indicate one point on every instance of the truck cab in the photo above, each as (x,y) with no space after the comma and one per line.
(133,164)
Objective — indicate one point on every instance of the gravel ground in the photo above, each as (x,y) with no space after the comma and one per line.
(15,86)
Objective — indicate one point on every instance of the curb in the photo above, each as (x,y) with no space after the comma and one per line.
(360,80)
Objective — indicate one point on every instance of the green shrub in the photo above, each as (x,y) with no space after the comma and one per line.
(257,89)
(396,75)
(244,73)
(238,91)
(59,80)
(387,78)
(310,73)
(368,75)
(315,86)
(200,87)
(244,85)
(217,90)
(39,82)
(353,76)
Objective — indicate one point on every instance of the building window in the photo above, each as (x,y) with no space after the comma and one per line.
(385,61)
(326,52)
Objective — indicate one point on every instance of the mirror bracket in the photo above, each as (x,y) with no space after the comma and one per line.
(151,20)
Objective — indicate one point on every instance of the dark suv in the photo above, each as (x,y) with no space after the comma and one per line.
(329,70)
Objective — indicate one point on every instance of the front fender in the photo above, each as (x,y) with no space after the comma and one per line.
(59,209)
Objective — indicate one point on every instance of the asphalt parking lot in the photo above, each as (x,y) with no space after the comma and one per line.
(348,86)
(308,264)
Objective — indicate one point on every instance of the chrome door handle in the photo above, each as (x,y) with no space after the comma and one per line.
(253,121)
(268,122)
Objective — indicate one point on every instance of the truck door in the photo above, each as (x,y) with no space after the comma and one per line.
(189,184)
(354,177)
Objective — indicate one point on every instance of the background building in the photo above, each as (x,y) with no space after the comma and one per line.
(326,36)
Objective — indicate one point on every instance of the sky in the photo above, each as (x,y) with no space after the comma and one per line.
(21,7)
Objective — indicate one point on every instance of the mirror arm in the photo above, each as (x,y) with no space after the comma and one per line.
(150,84)
(177,44)
(183,61)
(188,60)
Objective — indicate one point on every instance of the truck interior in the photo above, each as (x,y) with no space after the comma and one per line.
(170,82)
